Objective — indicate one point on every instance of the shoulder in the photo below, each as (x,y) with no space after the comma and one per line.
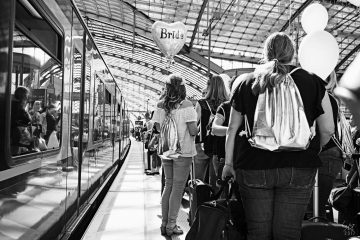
(160,104)
(186,103)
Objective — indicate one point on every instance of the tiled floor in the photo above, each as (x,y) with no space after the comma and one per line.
(131,209)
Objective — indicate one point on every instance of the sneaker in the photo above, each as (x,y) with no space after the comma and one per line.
(163,230)
(175,230)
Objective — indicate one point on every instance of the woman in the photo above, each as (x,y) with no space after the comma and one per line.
(21,140)
(217,93)
(276,186)
(176,169)
(220,126)
(330,156)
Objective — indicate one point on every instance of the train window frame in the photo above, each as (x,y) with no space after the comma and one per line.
(45,13)
(51,21)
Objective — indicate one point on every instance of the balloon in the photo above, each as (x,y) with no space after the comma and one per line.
(351,78)
(170,38)
(319,53)
(314,18)
(355,2)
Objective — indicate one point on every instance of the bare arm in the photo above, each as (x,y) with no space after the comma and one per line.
(325,121)
(217,128)
(198,111)
(192,126)
(235,121)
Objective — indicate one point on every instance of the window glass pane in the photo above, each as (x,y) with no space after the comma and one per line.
(98,109)
(36,87)
(107,126)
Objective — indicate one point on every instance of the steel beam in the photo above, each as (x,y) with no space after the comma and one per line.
(197,24)
(296,14)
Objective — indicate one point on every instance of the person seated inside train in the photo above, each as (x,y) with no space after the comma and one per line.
(20,132)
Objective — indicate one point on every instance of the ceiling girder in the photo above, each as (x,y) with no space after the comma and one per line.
(230,57)
(296,14)
(147,34)
(357,48)
(197,24)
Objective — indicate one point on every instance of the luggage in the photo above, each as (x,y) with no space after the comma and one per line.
(323,230)
(219,219)
(320,228)
(199,193)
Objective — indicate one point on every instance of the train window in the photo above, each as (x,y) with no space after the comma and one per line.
(36,87)
(30,20)
(98,109)
(107,126)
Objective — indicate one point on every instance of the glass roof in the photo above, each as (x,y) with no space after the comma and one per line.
(122,31)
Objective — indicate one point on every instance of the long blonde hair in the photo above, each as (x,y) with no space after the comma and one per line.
(217,91)
(278,51)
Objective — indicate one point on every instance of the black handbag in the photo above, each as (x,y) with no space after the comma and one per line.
(222,219)
(321,229)
(341,198)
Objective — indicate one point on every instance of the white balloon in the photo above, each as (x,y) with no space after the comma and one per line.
(319,53)
(314,18)
(355,2)
(170,38)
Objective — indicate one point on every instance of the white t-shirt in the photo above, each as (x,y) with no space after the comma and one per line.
(181,117)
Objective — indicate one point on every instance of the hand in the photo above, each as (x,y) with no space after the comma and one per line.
(228,171)
(357,142)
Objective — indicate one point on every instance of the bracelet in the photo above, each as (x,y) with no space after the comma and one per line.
(230,165)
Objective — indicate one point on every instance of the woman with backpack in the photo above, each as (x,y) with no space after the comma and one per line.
(217,93)
(174,116)
(276,186)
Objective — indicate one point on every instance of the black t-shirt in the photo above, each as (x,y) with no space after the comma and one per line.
(335,109)
(205,116)
(224,111)
(312,92)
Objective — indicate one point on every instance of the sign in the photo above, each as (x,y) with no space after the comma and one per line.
(38,95)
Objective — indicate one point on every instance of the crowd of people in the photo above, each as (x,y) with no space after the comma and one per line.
(275,186)
(33,128)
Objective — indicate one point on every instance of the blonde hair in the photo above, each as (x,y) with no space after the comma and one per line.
(278,51)
(217,91)
(331,82)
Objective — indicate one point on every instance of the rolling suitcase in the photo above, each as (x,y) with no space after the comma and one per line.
(199,193)
(320,228)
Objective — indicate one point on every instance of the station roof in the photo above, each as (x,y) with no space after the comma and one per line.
(122,32)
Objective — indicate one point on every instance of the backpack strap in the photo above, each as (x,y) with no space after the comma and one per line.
(209,107)
(294,70)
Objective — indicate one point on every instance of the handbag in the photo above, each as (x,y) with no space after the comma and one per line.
(321,229)
(53,141)
(41,144)
(219,219)
(341,198)
(24,135)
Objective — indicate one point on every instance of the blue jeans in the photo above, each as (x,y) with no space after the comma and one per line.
(176,173)
(331,160)
(206,169)
(275,201)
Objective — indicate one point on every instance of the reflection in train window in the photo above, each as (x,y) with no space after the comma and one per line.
(107,126)
(36,87)
(98,109)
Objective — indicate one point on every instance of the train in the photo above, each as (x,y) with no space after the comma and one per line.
(79,126)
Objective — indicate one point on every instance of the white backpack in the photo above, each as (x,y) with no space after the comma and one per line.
(279,121)
(169,144)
